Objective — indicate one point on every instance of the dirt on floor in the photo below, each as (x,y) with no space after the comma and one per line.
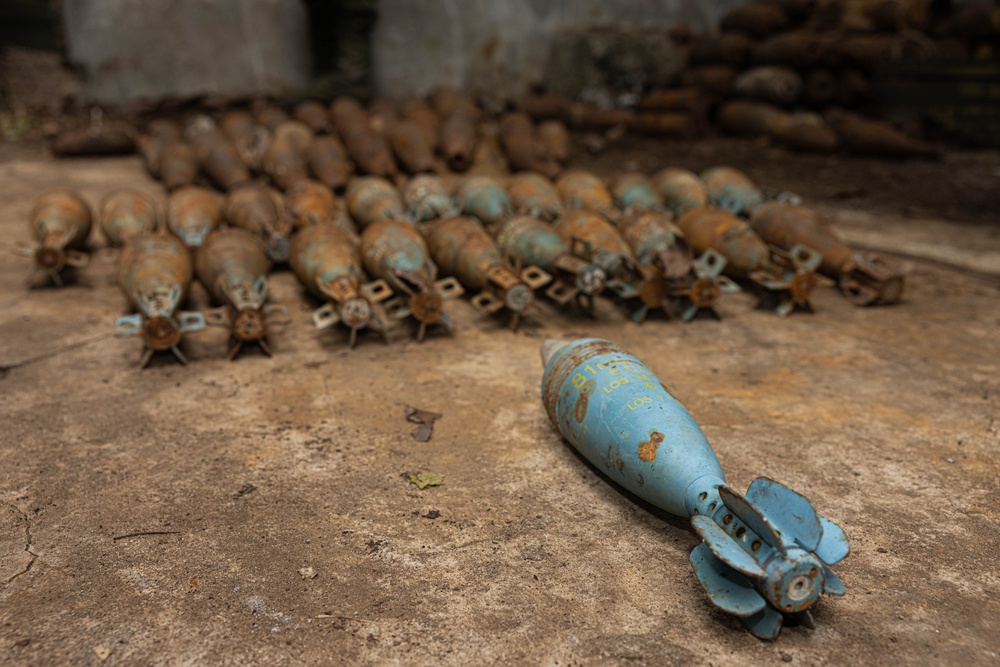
(260,511)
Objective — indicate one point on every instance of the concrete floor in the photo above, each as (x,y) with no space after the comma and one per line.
(887,419)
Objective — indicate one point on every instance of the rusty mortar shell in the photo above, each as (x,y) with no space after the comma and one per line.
(731,189)
(751,118)
(530,242)
(656,240)
(270,116)
(315,115)
(426,197)
(394,251)
(484,198)
(580,189)
(192,213)
(462,247)
(327,261)
(449,101)
(154,271)
(370,199)
(603,243)
(535,195)
(178,166)
(771,83)
(556,139)
(103,139)
(634,190)
(312,203)
(60,224)
(801,49)
(681,189)
(874,137)
(458,141)
(757,20)
(691,100)
(523,146)
(159,133)
(327,160)
(347,112)
(418,111)
(381,116)
(666,124)
(369,151)
(260,211)
(787,226)
(284,161)
(220,160)
(787,278)
(590,117)
(127,213)
(232,266)
(250,138)
(412,147)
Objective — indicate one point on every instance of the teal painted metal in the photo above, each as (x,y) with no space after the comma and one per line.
(528,241)
(764,556)
(635,191)
(233,266)
(534,194)
(154,272)
(732,190)
(484,198)
(427,198)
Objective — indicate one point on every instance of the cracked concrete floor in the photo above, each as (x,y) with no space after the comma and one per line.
(247,474)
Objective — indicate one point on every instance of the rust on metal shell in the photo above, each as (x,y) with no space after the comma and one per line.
(261,212)
(313,114)
(192,213)
(412,147)
(312,203)
(178,165)
(458,141)
(126,213)
(580,189)
(370,199)
(325,253)
(328,162)
(154,271)
(534,194)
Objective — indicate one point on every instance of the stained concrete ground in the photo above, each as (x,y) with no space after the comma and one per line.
(888,419)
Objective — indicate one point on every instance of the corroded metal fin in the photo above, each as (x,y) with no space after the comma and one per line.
(326,316)
(128,325)
(765,624)
(805,619)
(709,265)
(190,321)
(833,546)
(728,589)
(832,585)
(725,547)
(752,517)
(789,512)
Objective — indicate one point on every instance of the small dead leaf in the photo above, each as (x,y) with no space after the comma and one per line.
(194,581)
(308,573)
(102,653)
(424,479)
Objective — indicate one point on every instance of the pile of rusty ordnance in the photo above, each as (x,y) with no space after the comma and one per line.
(323,191)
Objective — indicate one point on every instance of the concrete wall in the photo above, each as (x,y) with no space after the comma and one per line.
(499,47)
(134,49)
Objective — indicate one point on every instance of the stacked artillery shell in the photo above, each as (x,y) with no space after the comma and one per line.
(787,278)
(103,139)
(418,112)
(531,242)
(591,236)
(681,189)
(248,137)
(394,251)
(312,203)
(873,137)
(556,140)
(427,198)
(369,151)
(731,189)
(192,213)
(770,83)
(327,261)
(524,147)
(673,280)
(60,225)
(218,157)
(154,272)
(865,279)
(315,116)
(232,266)
(802,131)
(413,148)
(534,195)
(159,134)
(270,116)
(259,211)
(284,160)
(370,199)
(125,214)
(485,198)
(458,129)
(462,247)
(582,190)
(328,162)
(634,190)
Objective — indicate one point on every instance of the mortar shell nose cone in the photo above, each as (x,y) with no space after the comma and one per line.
(550,347)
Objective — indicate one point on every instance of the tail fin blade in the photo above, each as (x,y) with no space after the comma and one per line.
(728,589)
